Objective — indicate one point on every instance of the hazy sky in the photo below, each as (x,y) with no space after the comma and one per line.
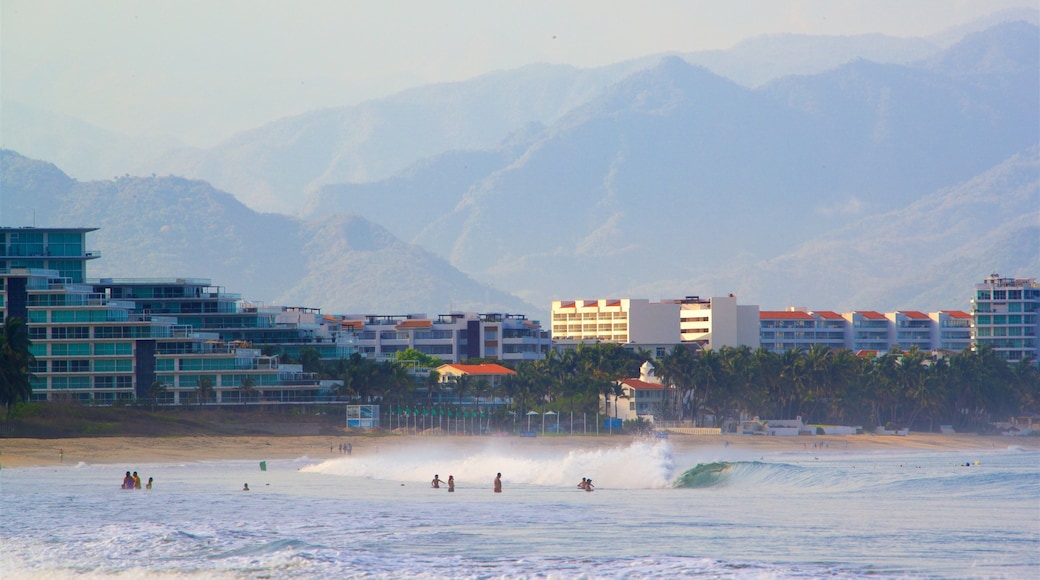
(199,70)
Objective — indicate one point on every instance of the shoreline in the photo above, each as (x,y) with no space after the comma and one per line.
(18,452)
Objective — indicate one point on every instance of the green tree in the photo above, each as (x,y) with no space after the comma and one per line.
(424,360)
(204,391)
(155,392)
(246,389)
(310,359)
(15,362)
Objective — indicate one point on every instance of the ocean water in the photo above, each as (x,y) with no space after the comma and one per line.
(657,512)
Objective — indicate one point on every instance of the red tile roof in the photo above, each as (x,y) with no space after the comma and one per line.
(641,385)
(871,314)
(783,315)
(956,314)
(567,304)
(415,323)
(481,369)
(914,314)
(827,314)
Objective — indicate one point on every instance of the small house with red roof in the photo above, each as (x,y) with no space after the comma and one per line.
(642,398)
(491,372)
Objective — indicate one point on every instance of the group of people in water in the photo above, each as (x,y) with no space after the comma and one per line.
(134,481)
(585,484)
(437,481)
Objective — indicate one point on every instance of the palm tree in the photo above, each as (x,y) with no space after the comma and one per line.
(204,390)
(15,362)
(246,389)
(157,390)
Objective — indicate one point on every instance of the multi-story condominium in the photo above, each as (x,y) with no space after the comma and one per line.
(718,321)
(1005,316)
(910,328)
(953,330)
(655,326)
(868,331)
(799,328)
(452,337)
(627,321)
(108,340)
(59,249)
(830,329)
(785,330)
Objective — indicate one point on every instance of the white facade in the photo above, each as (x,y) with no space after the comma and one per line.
(800,329)
(451,337)
(718,321)
(621,321)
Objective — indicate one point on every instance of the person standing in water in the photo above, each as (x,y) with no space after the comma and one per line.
(128,481)
(137,481)
(498,483)
(582,484)
(437,481)
(149,485)
(245,487)
(588,485)
(451,484)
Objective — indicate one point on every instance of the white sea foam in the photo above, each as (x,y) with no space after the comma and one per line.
(636,465)
(840,516)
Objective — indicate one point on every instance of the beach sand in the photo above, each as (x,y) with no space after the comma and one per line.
(107,450)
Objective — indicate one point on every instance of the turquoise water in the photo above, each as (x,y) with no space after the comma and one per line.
(656,513)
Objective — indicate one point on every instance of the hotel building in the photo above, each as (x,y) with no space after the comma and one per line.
(1005,316)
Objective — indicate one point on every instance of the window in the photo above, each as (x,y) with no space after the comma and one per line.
(70,332)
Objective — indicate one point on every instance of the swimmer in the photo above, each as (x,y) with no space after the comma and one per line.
(137,481)
(128,481)
(451,484)
(437,481)
(582,484)
(245,487)
(498,483)
(149,486)
(588,485)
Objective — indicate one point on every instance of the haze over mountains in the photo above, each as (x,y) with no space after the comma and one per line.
(885,183)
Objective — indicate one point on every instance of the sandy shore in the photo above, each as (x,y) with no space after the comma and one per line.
(104,450)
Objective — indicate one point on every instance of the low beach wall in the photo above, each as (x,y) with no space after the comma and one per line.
(693,430)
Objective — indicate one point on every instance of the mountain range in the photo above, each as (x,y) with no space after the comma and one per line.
(896,182)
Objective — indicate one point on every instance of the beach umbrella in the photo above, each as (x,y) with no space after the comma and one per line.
(557,420)
(529,413)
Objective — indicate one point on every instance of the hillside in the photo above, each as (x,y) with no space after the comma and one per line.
(174,227)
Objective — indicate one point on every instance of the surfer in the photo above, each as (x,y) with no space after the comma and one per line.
(436,483)
(451,484)
(498,483)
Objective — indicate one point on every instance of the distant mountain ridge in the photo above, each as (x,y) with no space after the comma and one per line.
(656,178)
(175,227)
(676,170)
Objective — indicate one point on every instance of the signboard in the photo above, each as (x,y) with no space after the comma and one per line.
(363,416)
